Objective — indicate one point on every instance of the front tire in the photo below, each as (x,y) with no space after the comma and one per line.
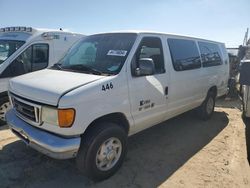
(206,110)
(4,107)
(102,151)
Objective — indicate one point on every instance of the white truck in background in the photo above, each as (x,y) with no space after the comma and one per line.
(110,86)
(26,49)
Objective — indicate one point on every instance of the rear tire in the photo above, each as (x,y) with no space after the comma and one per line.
(4,107)
(102,151)
(206,109)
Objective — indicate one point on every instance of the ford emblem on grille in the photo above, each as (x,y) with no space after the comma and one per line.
(19,108)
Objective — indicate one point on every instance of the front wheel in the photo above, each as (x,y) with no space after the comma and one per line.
(4,107)
(207,108)
(102,151)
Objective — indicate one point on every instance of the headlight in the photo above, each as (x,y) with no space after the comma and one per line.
(59,117)
(49,115)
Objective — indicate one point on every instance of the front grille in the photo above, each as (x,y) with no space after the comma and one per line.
(28,111)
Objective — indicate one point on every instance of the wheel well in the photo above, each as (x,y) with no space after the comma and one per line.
(213,90)
(117,118)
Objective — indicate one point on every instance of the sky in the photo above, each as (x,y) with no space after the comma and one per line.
(220,20)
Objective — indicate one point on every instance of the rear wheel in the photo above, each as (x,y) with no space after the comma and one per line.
(102,151)
(207,108)
(4,107)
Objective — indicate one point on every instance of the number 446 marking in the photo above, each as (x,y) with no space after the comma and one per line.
(107,86)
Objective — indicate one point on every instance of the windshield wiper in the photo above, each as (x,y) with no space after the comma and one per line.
(82,68)
(56,66)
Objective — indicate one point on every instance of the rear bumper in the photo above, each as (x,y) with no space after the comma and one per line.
(49,144)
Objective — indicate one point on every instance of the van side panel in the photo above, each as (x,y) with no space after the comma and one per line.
(216,75)
(185,86)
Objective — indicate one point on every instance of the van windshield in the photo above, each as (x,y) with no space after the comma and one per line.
(8,47)
(98,54)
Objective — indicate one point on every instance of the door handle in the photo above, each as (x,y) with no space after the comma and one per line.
(166,90)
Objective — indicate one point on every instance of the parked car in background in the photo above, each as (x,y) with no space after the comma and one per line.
(26,49)
(110,86)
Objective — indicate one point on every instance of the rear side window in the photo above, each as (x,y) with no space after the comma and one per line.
(210,54)
(184,54)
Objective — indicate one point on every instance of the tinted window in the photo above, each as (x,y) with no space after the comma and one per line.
(40,59)
(210,54)
(185,54)
(33,58)
(151,47)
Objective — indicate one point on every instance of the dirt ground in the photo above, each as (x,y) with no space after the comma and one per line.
(181,152)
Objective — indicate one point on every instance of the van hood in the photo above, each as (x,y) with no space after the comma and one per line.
(47,86)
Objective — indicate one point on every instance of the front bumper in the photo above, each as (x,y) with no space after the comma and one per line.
(49,144)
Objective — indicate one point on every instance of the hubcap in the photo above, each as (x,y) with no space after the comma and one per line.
(210,105)
(108,154)
(3,109)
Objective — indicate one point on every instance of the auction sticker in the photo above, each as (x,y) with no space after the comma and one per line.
(117,52)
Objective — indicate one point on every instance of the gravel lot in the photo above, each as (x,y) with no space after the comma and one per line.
(181,152)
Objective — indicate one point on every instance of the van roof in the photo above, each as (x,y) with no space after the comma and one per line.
(159,33)
(31,30)
(42,30)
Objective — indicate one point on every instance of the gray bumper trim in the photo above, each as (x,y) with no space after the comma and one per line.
(49,144)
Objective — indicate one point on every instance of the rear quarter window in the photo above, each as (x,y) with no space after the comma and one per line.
(210,54)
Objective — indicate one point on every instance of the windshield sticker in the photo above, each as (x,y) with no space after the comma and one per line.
(117,53)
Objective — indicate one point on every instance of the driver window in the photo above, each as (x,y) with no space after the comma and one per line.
(151,47)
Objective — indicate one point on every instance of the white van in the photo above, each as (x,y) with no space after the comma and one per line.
(24,50)
(110,86)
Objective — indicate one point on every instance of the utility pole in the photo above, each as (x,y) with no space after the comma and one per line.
(245,38)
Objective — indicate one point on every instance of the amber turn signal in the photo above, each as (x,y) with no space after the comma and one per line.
(66,117)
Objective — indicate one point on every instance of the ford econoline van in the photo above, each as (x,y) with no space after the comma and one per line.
(110,86)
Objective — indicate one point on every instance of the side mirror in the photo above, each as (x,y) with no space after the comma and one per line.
(146,67)
(245,74)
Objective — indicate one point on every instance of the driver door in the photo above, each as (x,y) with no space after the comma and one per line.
(148,94)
